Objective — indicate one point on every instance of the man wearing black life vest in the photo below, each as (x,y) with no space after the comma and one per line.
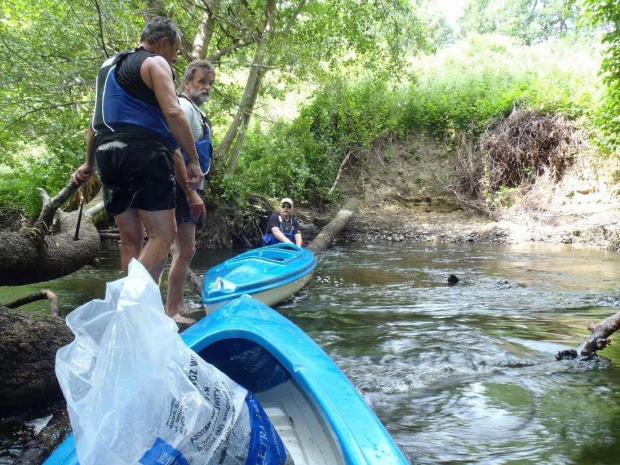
(283,226)
(197,85)
(137,125)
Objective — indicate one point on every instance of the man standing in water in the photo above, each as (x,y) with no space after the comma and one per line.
(197,85)
(137,125)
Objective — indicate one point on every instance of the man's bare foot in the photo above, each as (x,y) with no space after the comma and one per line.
(180,319)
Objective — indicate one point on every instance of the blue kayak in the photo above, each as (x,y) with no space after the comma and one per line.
(319,414)
(270,274)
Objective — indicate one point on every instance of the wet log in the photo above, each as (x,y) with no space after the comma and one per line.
(327,235)
(36,445)
(598,340)
(48,249)
(600,335)
(28,346)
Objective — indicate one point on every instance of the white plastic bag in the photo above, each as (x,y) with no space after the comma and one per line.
(137,394)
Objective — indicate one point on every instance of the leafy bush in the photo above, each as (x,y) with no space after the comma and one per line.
(301,158)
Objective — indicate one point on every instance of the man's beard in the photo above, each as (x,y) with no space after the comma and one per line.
(200,98)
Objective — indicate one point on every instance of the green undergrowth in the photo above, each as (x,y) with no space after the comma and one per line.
(464,88)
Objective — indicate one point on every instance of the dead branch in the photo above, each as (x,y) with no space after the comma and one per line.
(527,144)
(600,334)
(42,294)
(340,170)
(51,204)
(597,341)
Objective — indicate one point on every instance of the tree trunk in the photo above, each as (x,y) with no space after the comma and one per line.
(25,258)
(250,94)
(48,251)
(238,128)
(327,235)
(205,31)
(28,346)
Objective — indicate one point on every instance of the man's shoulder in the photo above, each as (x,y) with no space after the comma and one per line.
(186,105)
(155,60)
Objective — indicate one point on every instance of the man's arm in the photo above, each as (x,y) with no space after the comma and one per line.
(84,172)
(297,235)
(196,204)
(156,74)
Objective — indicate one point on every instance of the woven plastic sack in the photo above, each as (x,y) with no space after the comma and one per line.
(137,394)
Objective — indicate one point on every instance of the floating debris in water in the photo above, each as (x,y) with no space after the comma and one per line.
(566,354)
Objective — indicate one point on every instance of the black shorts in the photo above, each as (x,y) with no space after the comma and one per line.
(182,212)
(138,174)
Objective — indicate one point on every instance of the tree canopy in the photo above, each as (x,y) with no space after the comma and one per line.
(531,20)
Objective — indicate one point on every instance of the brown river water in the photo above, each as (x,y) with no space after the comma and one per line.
(458,374)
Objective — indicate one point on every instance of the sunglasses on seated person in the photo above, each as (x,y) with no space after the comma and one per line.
(286,206)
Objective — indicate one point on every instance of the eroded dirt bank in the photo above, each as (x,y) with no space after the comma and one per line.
(405,192)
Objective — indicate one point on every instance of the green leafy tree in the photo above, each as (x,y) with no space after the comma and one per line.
(605,14)
(531,20)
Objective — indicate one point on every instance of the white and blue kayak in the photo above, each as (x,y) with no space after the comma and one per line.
(270,274)
(319,414)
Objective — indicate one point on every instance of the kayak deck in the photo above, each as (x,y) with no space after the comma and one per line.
(270,274)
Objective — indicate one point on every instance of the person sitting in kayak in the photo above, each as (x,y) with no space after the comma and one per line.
(283,226)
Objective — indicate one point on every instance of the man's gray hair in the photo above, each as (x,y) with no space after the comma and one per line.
(158,28)
(198,64)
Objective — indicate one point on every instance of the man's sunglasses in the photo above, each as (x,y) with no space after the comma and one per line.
(286,206)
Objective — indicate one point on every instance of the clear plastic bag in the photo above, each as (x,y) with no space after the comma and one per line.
(137,394)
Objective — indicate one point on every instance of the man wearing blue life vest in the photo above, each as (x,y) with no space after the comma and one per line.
(283,226)
(137,125)
(197,85)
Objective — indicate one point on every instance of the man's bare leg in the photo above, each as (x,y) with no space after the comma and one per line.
(161,228)
(184,249)
(131,231)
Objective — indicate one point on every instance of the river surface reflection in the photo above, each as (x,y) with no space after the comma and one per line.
(458,374)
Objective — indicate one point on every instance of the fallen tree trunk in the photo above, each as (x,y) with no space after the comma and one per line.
(48,250)
(28,346)
(327,235)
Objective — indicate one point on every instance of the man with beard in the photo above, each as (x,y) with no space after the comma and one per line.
(190,210)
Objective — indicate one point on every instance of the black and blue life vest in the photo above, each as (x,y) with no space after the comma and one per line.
(204,147)
(287,229)
(116,108)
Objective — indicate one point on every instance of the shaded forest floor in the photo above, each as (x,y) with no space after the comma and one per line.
(405,195)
